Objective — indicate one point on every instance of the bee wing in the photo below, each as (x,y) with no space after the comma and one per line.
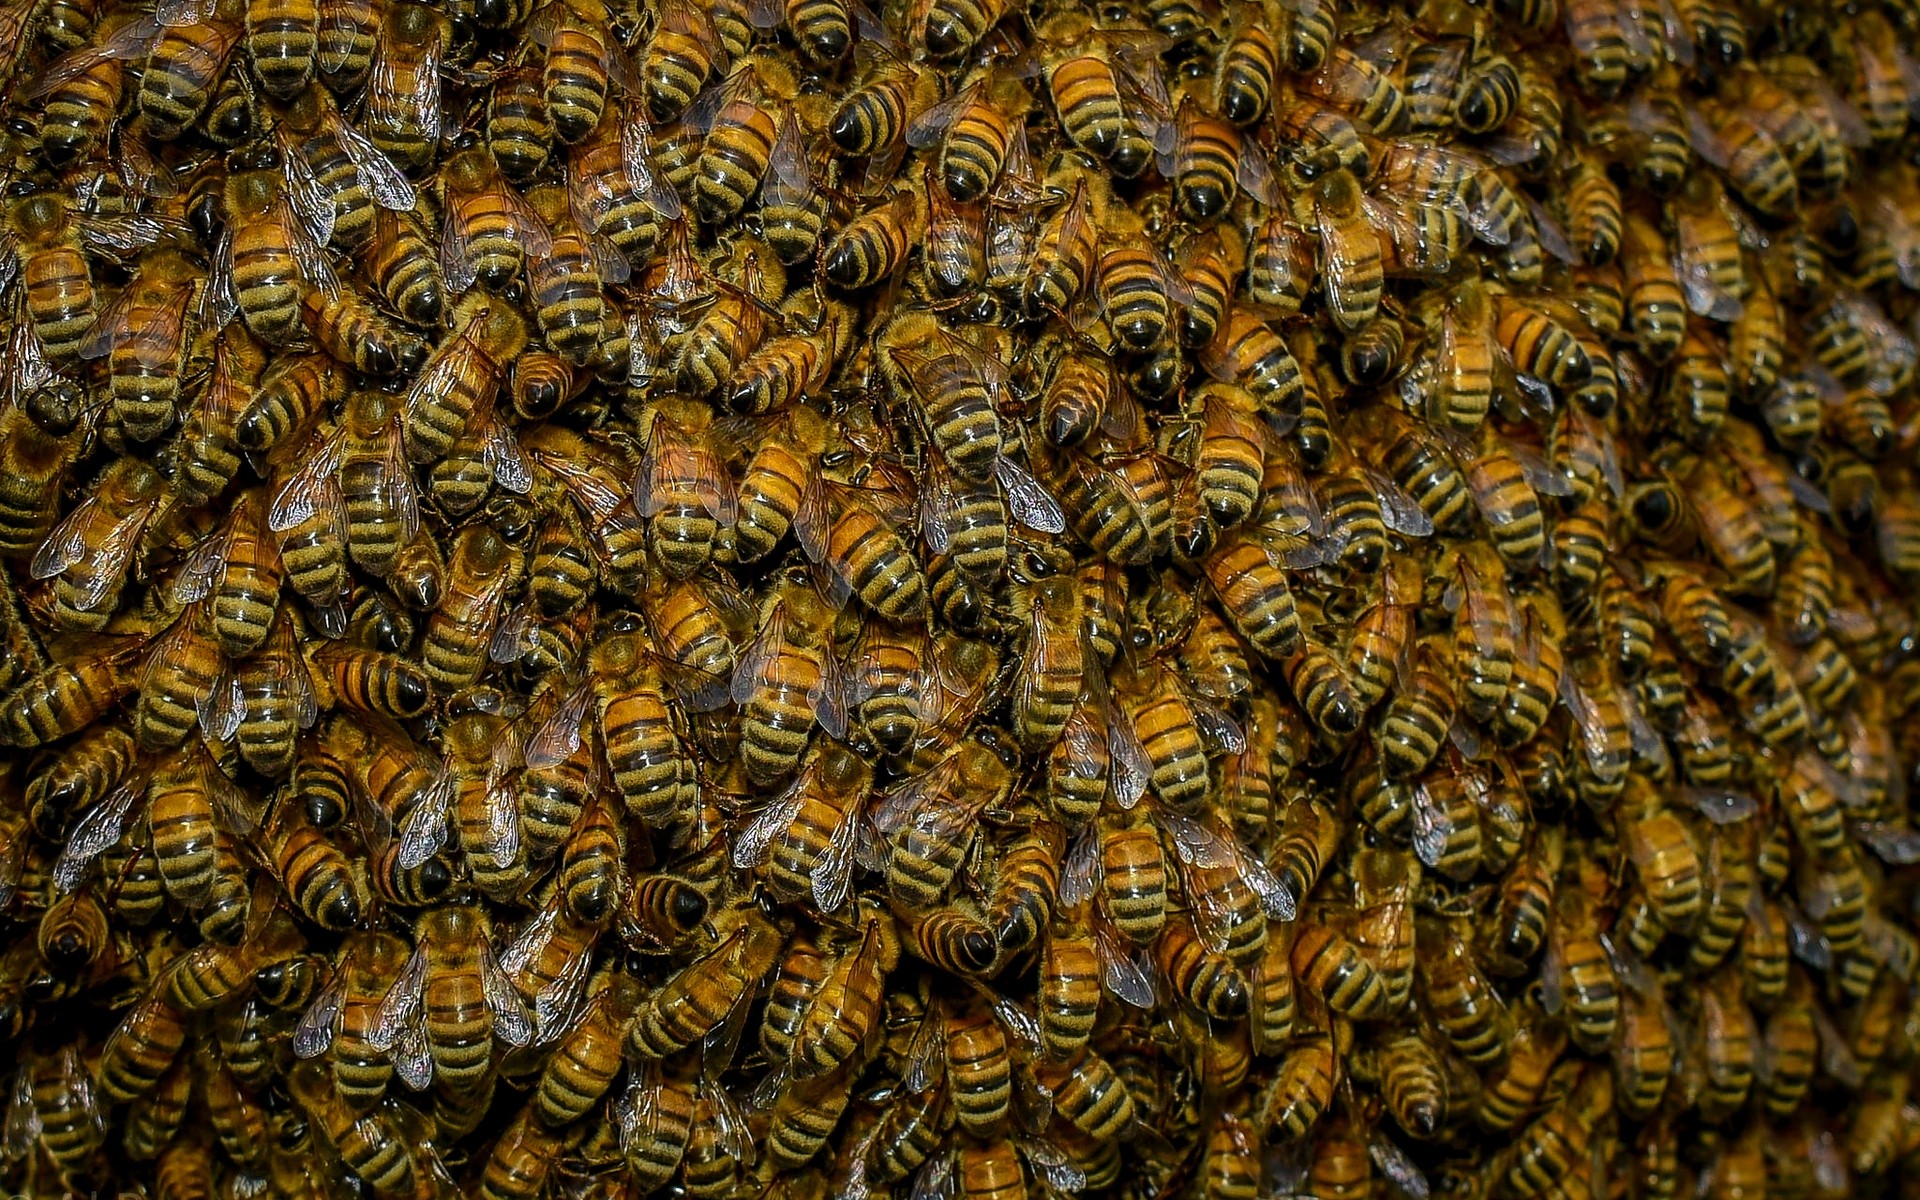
(424,829)
(500,450)
(67,544)
(309,490)
(456,261)
(926,1049)
(735,1134)
(399,479)
(556,1004)
(1199,845)
(23,1116)
(315,1030)
(636,158)
(751,674)
(177,14)
(109,558)
(402,1003)
(1400,1170)
(1401,511)
(832,876)
(516,633)
(1704,296)
(930,126)
(1121,971)
(1587,715)
(203,567)
(536,238)
(311,205)
(1028,500)
(132,40)
(1432,827)
(512,1023)
(1217,725)
(751,848)
(940,506)
(27,369)
(558,737)
(907,801)
(309,246)
(789,179)
(1254,173)
(1080,870)
(385,182)
(219,302)
(1131,767)
(412,1060)
(829,695)
(223,707)
(92,834)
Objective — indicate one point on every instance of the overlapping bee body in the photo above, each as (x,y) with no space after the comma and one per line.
(1348,607)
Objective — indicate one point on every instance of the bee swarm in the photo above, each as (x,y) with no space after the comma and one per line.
(1219,598)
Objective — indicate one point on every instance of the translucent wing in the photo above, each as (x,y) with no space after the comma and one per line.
(1028,500)
(67,544)
(750,850)
(315,1030)
(832,876)
(412,1061)
(558,737)
(402,1003)
(99,829)
(424,829)
(512,1023)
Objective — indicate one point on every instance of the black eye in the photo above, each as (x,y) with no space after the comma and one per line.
(1654,510)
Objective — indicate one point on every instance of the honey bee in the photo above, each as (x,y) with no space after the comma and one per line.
(741,130)
(488,231)
(806,837)
(702,994)
(449,1001)
(343,1017)
(187,60)
(89,552)
(925,821)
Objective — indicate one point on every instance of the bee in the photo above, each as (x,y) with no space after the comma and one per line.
(142,336)
(786,681)
(1516,1087)
(53,1104)
(343,1018)
(404,107)
(141,1050)
(741,131)
(369,1145)
(451,999)
(270,246)
(80,91)
(67,697)
(1549,1150)
(806,837)
(703,993)
(1247,352)
(583,63)
(1755,166)
(974,131)
(53,272)
(89,552)
(1304,1086)
(519,131)
(403,266)
(925,822)
(1104,95)
(686,46)
(187,60)
(488,231)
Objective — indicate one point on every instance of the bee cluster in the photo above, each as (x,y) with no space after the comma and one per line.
(1159,598)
